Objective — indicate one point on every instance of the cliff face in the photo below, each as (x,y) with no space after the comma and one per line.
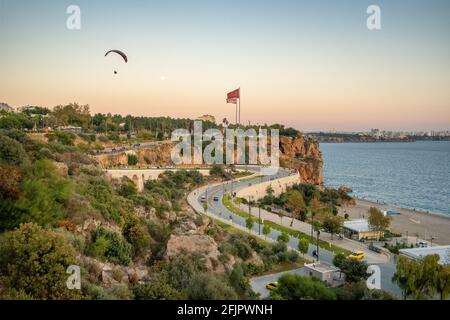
(159,155)
(303,155)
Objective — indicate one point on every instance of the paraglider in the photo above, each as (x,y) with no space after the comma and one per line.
(120,53)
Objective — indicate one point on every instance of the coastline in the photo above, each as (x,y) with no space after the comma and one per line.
(414,223)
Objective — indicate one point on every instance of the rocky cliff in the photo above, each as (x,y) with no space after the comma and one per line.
(158,155)
(303,155)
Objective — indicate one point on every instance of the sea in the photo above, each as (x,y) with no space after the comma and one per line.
(413,175)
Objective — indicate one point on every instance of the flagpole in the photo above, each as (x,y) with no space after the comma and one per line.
(239,105)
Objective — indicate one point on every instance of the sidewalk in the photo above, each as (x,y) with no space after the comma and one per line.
(304,227)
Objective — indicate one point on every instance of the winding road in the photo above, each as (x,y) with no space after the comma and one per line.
(214,196)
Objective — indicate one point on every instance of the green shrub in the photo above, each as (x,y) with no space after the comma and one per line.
(44,195)
(65,138)
(157,289)
(34,261)
(295,287)
(132,160)
(12,152)
(111,245)
(209,287)
(137,234)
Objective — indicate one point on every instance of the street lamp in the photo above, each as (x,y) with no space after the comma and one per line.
(317,244)
(259,218)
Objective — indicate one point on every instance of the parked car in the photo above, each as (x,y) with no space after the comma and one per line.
(374,248)
(272,285)
(422,244)
(216,198)
(203,199)
(357,255)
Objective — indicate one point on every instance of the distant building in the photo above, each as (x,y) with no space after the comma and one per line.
(359,229)
(207,117)
(71,129)
(418,253)
(6,107)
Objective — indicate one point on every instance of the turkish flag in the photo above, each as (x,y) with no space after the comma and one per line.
(235,94)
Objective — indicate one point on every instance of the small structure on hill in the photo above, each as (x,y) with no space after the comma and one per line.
(323,271)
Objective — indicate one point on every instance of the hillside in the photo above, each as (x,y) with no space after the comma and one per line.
(58,209)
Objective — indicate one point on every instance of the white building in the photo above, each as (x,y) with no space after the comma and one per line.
(418,253)
(359,229)
(323,271)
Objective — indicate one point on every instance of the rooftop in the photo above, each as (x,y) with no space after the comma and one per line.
(360,225)
(321,267)
(419,253)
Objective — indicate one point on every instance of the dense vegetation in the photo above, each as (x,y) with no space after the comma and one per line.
(114,127)
(57,208)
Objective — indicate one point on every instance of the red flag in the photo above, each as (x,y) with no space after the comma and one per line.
(233,96)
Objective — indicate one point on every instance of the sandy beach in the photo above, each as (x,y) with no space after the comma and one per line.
(410,222)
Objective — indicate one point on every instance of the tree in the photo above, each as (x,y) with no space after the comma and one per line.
(281,215)
(377,221)
(283,237)
(295,204)
(404,274)
(443,282)
(339,259)
(295,287)
(303,246)
(332,224)
(266,230)
(249,223)
(418,278)
(34,260)
(44,195)
(269,190)
(354,270)
(217,170)
(12,152)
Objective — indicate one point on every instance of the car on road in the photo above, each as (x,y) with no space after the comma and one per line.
(203,199)
(216,198)
(272,285)
(422,244)
(357,255)
(374,248)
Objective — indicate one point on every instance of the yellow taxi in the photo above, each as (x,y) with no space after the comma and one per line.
(272,285)
(357,255)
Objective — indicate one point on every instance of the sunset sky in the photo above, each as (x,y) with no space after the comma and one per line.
(313,65)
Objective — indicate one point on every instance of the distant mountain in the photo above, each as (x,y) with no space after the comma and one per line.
(5,107)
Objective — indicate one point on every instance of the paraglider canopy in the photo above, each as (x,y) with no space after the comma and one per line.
(123,55)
